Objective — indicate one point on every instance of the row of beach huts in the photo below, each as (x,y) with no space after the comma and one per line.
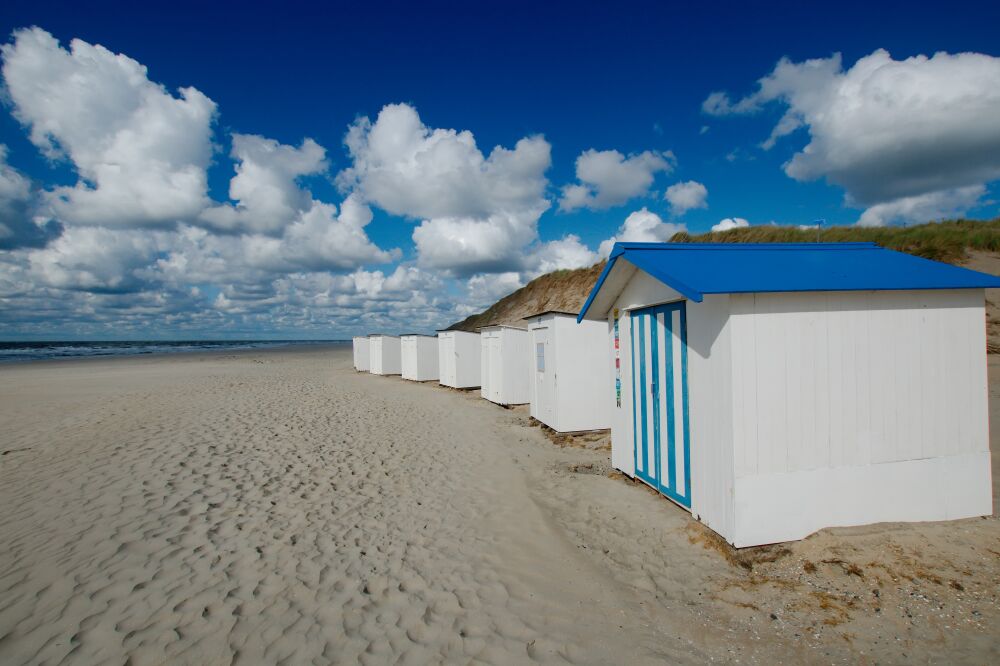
(772,390)
(552,363)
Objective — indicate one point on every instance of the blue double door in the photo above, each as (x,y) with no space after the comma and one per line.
(660,400)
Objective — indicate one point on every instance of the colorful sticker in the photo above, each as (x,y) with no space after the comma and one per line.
(618,363)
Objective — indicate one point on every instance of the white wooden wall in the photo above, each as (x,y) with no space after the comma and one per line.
(857,407)
(855,378)
(509,384)
(576,364)
(459,359)
(362,356)
(384,355)
(419,357)
(583,378)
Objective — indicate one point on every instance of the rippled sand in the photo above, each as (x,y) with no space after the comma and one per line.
(277,507)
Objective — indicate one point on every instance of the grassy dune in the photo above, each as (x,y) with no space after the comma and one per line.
(943,241)
(950,241)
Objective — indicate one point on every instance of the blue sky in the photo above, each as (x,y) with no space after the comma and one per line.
(632,78)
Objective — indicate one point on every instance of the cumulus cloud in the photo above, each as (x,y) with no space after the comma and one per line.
(642,226)
(140,152)
(686,196)
(900,136)
(608,178)
(137,247)
(18,226)
(730,223)
(96,259)
(484,290)
(264,187)
(477,212)
(923,207)
(566,253)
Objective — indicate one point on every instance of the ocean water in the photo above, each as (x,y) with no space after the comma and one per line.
(36,351)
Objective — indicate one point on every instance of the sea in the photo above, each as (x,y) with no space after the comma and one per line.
(11,352)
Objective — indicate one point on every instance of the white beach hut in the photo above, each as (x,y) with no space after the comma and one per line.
(774,390)
(419,357)
(504,365)
(361,354)
(384,354)
(459,354)
(568,373)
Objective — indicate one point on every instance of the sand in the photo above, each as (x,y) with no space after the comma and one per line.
(277,507)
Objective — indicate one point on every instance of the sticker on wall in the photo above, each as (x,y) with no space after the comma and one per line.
(618,364)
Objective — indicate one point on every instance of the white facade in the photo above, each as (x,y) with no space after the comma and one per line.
(809,410)
(419,357)
(459,359)
(504,365)
(361,354)
(568,372)
(384,355)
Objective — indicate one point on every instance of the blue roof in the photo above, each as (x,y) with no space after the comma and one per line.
(696,269)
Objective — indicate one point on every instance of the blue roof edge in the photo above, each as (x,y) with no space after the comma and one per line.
(616,251)
(619,249)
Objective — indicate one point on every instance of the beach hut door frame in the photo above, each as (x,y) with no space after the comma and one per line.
(661,437)
(543,363)
(495,368)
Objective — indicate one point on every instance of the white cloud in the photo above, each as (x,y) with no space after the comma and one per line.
(140,152)
(96,259)
(730,223)
(642,226)
(565,253)
(478,213)
(320,241)
(892,133)
(608,178)
(686,196)
(924,207)
(18,226)
(484,290)
(264,187)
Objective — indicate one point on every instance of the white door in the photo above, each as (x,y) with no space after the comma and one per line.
(495,361)
(544,376)
(450,361)
(485,382)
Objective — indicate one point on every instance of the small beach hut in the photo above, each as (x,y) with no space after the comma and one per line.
(419,357)
(384,354)
(459,354)
(361,354)
(504,365)
(568,374)
(777,389)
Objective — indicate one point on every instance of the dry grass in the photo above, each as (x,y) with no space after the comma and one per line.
(564,290)
(943,241)
(745,558)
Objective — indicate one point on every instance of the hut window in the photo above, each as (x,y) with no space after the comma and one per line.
(540,356)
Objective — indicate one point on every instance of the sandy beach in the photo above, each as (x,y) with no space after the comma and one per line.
(275,506)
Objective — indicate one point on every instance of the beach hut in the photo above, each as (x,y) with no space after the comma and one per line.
(504,365)
(568,374)
(777,389)
(361,354)
(419,357)
(384,354)
(459,354)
